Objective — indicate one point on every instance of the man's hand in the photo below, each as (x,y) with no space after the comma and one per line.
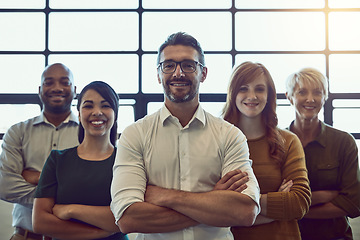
(62,211)
(156,195)
(234,180)
(31,176)
(285,186)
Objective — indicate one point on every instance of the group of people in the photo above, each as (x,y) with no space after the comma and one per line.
(181,173)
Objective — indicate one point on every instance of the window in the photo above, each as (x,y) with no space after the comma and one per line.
(117,40)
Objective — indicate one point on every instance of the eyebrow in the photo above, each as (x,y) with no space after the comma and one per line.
(91,101)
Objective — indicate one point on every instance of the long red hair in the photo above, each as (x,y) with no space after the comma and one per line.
(243,74)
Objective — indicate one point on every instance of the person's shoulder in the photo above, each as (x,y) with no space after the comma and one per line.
(216,120)
(23,125)
(335,133)
(143,123)
(287,134)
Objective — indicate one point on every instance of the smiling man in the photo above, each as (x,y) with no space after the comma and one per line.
(26,146)
(182,173)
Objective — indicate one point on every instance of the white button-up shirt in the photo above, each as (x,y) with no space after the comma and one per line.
(157,150)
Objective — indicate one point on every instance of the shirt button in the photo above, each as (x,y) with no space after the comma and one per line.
(54,144)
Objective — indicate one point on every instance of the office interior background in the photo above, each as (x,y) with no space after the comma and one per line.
(116,41)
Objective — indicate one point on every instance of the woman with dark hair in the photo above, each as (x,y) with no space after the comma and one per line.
(277,155)
(72,199)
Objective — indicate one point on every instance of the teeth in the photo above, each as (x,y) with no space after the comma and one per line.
(97,122)
(179,84)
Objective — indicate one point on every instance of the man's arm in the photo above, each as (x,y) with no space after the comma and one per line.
(215,208)
(145,217)
(13,187)
(31,176)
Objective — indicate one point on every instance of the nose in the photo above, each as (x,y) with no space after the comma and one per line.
(57,87)
(310,98)
(178,72)
(97,112)
(251,95)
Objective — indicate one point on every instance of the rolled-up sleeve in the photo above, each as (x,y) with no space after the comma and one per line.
(236,156)
(129,175)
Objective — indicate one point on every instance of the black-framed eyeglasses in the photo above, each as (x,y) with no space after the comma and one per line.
(187,66)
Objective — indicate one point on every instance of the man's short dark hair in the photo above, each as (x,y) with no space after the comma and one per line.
(181,38)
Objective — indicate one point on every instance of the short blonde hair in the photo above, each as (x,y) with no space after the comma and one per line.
(309,75)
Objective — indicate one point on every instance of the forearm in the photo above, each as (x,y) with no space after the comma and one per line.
(45,222)
(144,217)
(324,196)
(325,211)
(50,225)
(14,189)
(99,216)
(216,208)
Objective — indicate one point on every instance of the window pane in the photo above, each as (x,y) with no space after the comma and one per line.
(347,119)
(285,113)
(219,71)
(281,66)
(344,73)
(346,103)
(93,4)
(126,117)
(157,27)
(16,113)
(21,73)
(35,4)
(215,108)
(120,71)
(281,4)
(344,3)
(279,31)
(150,82)
(343,35)
(82,31)
(22,31)
(153,107)
(184,4)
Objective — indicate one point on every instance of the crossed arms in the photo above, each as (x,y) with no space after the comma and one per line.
(168,210)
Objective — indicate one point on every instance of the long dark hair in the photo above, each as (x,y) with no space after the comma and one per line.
(243,74)
(110,96)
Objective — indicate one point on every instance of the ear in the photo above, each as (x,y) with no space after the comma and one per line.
(158,77)
(289,98)
(204,74)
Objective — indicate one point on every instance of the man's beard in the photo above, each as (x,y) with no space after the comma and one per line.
(180,99)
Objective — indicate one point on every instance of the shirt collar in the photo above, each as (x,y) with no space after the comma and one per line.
(42,119)
(321,138)
(198,115)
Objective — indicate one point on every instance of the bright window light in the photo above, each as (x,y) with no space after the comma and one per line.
(85,31)
(280,31)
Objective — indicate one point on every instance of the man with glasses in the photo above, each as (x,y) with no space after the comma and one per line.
(181,173)
(27,145)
